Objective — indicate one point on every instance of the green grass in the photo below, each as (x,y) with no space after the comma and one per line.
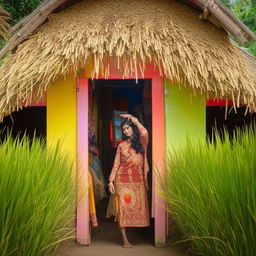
(210,190)
(37,198)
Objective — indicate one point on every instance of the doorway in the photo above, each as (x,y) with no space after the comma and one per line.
(107,100)
(158,151)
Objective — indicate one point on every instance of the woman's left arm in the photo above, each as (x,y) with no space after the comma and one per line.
(143,132)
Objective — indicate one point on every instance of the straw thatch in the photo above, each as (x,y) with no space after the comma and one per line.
(4,25)
(250,60)
(167,33)
(213,10)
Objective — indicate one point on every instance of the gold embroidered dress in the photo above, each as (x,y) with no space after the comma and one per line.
(128,173)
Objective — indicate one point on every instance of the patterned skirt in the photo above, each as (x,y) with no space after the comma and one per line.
(132,204)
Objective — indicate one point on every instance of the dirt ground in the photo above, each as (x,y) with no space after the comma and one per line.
(106,242)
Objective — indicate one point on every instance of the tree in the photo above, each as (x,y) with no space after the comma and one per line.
(19,8)
(245,10)
(4,26)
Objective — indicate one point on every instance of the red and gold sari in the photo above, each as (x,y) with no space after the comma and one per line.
(129,173)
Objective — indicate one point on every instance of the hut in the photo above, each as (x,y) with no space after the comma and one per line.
(160,59)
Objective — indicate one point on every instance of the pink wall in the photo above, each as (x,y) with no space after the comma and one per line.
(83,235)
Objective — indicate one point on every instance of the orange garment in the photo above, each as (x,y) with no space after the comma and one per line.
(129,172)
(92,208)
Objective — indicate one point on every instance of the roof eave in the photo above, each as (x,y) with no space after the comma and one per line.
(220,15)
(229,21)
(225,17)
(28,25)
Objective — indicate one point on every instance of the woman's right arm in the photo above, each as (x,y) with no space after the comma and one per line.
(114,171)
(115,165)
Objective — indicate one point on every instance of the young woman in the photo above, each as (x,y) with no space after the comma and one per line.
(128,178)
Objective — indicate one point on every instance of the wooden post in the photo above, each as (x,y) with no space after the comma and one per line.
(83,228)
(158,154)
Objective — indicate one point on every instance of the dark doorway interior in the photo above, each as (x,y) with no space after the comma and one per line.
(30,121)
(108,99)
(216,121)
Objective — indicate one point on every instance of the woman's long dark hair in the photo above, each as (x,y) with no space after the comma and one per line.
(136,145)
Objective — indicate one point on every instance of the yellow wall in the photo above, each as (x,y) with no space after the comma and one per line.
(61,114)
(185,114)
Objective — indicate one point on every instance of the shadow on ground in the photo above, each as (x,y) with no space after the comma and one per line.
(106,242)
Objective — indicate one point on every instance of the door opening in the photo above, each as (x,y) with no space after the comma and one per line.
(107,100)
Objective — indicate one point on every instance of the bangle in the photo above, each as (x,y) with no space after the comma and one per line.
(135,121)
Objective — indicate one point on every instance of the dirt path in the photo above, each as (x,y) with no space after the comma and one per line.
(106,242)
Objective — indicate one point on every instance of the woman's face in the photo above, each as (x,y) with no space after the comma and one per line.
(127,130)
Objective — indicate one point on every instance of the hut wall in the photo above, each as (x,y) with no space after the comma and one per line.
(185,114)
(61,115)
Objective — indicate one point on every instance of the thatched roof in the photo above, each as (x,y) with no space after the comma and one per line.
(168,33)
(211,10)
(4,25)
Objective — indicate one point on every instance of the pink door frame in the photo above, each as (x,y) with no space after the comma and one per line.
(158,152)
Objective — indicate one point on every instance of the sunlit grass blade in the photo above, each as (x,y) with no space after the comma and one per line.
(210,191)
(37,197)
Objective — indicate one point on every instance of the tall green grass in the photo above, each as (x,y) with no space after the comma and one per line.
(37,198)
(210,190)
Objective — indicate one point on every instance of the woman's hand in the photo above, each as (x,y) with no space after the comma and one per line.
(131,117)
(111,188)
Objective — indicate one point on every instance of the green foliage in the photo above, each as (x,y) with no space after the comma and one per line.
(251,47)
(37,198)
(19,8)
(211,193)
(2,44)
(227,3)
(245,10)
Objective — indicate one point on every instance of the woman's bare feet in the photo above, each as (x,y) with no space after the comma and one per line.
(126,244)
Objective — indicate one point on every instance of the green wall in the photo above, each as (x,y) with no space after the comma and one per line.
(185,114)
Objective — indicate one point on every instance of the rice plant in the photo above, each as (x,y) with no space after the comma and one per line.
(37,198)
(210,190)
